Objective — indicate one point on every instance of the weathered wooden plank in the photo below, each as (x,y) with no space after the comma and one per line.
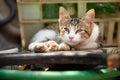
(19,12)
(89,57)
(39,21)
(109,49)
(41,12)
(81,9)
(13,50)
(30,21)
(23,39)
(107,19)
(66,1)
(101,26)
(56,20)
(110,32)
(118,35)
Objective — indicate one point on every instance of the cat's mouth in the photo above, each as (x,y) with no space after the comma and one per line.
(70,40)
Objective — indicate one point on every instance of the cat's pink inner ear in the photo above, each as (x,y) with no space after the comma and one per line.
(63,15)
(89,17)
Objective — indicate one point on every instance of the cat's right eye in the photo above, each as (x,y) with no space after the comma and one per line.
(79,30)
(66,29)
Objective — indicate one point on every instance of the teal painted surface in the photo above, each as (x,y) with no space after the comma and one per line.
(103,74)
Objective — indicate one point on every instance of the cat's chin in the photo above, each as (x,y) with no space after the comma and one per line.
(72,43)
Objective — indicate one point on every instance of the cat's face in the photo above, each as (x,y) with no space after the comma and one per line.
(75,31)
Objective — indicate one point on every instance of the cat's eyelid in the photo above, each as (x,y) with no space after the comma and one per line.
(79,30)
(66,29)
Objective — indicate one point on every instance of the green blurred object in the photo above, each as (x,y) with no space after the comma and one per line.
(102,7)
(50,11)
(102,74)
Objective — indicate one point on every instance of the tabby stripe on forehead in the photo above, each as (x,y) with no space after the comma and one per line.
(74,21)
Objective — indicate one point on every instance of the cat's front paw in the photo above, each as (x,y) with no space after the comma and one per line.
(64,47)
(52,46)
(40,47)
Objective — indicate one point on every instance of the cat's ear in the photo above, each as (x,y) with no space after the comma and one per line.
(89,17)
(63,15)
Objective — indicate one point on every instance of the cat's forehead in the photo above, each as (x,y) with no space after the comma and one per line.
(74,21)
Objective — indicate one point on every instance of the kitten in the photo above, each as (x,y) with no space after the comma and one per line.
(73,33)
(113,59)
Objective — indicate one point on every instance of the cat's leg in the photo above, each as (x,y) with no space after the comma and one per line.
(90,45)
(37,47)
(52,46)
(64,47)
(43,46)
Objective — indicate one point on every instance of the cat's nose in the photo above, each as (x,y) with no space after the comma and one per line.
(71,37)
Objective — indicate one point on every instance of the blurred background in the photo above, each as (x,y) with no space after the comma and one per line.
(12,28)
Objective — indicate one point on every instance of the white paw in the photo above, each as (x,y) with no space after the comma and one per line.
(64,47)
(52,46)
(40,47)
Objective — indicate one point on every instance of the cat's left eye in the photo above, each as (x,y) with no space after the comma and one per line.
(66,29)
(79,30)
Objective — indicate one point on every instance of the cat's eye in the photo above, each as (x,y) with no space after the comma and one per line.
(79,30)
(66,29)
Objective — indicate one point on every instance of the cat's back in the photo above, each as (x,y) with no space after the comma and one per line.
(49,32)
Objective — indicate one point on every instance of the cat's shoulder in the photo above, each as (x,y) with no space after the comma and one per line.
(95,33)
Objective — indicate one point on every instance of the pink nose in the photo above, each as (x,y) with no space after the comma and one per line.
(71,37)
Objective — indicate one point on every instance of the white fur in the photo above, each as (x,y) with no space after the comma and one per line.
(32,46)
(44,35)
(95,33)
(40,36)
(91,42)
(81,43)
(76,40)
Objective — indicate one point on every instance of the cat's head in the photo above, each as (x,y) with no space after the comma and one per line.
(75,30)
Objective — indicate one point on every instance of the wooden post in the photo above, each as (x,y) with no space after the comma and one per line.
(110,32)
(81,9)
(23,42)
(41,12)
(101,25)
(118,35)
